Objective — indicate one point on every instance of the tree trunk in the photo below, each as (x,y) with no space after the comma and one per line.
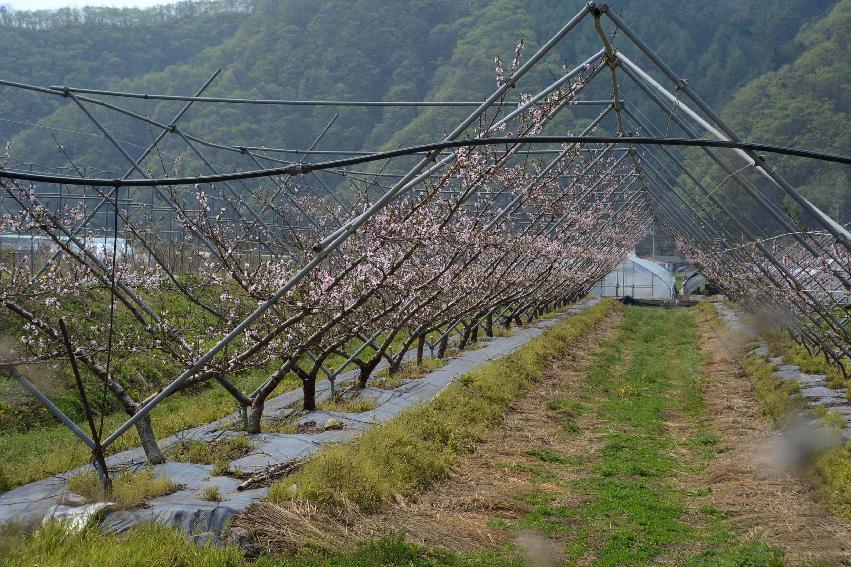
(441,346)
(255,414)
(474,334)
(489,325)
(465,337)
(366,372)
(395,363)
(149,440)
(420,348)
(308,388)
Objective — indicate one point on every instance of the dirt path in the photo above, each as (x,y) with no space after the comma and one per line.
(467,511)
(740,484)
(747,482)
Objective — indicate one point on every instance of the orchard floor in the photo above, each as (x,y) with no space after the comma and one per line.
(642,446)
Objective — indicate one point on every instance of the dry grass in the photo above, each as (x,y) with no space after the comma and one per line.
(748,483)
(408,371)
(296,526)
(285,425)
(454,513)
(352,403)
(500,331)
(129,489)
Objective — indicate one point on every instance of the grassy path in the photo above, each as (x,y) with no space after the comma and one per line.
(644,390)
(602,465)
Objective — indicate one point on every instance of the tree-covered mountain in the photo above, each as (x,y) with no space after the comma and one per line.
(362,50)
(806,103)
(100,46)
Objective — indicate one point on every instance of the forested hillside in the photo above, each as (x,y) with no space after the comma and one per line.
(101,46)
(806,103)
(380,50)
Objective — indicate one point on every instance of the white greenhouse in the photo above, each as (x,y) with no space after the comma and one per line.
(637,278)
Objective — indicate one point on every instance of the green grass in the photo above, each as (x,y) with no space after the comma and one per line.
(547,456)
(158,546)
(395,550)
(32,453)
(39,453)
(740,555)
(129,489)
(354,473)
(221,450)
(781,344)
(219,453)
(418,447)
(212,494)
(831,420)
(11,535)
(149,546)
(633,513)
(776,397)
(831,475)
(408,371)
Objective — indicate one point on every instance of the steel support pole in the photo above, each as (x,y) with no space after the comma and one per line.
(838,231)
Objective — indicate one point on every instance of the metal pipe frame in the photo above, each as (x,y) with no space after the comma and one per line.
(653,188)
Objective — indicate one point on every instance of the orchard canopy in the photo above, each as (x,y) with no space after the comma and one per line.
(217,257)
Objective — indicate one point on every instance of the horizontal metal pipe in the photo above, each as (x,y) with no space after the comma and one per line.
(301,169)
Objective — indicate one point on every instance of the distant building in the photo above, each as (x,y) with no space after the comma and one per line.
(672,263)
(24,242)
(636,277)
(100,246)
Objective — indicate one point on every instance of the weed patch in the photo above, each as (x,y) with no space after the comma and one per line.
(408,371)
(284,426)
(212,494)
(776,397)
(756,554)
(129,489)
(831,475)
(152,546)
(500,331)
(395,550)
(781,344)
(219,451)
(354,404)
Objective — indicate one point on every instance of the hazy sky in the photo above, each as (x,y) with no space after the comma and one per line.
(53,4)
